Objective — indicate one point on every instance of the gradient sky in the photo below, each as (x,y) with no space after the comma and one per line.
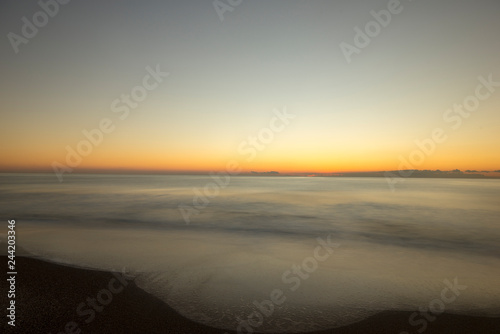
(227,77)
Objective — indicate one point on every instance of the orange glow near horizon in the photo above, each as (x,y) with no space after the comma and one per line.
(300,148)
(204,162)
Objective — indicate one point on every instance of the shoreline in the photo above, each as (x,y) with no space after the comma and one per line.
(55,298)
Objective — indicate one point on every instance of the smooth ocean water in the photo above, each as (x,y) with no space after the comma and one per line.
(395,248)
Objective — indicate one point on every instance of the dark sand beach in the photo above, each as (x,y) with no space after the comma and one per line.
(48,295)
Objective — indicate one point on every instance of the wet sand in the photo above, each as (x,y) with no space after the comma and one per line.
(52,298)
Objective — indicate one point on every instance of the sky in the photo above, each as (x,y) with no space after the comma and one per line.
(288,86)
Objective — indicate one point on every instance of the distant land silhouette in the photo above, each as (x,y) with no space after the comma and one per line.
(408,173)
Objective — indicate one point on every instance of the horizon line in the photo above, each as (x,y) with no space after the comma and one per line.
(415,173)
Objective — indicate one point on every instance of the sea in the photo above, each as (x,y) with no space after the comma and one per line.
(271,253)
